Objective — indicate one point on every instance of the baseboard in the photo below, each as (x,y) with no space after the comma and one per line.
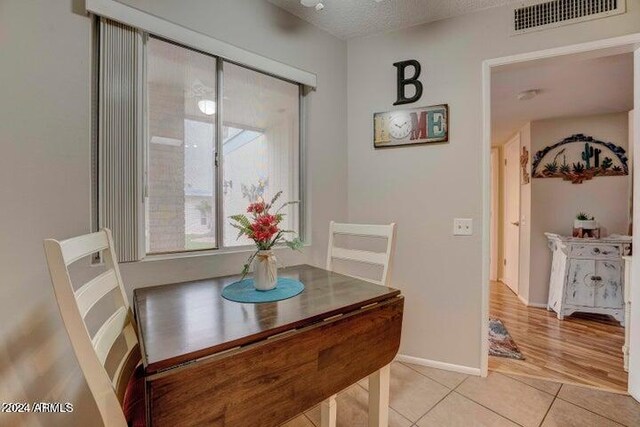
(523,300)
(537,305)
(439,365)
(531,304)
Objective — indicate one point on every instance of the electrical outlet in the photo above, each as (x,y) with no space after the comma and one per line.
(462,226)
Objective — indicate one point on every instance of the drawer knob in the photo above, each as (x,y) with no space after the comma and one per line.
(596,250)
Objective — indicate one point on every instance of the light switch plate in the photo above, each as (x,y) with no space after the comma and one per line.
(462,226)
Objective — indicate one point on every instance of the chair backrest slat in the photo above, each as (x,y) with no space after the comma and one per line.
(74,307)
(109,332)
(383,259)
(375,258)
(94,290)
(79,247)
(366,230)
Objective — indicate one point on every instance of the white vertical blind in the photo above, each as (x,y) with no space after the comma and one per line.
(119,108)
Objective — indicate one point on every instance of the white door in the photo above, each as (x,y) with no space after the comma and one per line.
(512,212)
(634,324)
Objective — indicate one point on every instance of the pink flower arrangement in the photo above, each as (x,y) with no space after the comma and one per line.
(257,208)
(264,228)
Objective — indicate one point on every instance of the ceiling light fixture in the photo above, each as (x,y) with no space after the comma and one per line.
(317,4)
(207,106)
(526,95)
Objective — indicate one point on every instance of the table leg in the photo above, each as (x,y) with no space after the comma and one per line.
(328,412)
(379,397)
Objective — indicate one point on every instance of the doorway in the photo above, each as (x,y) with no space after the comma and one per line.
(512,217)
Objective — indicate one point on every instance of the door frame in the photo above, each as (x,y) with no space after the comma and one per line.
(623,44)
(634,333)
(495,213)
(515,139)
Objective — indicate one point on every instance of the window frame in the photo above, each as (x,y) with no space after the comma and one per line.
(217,215)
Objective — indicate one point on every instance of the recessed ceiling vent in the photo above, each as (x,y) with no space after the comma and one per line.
(535,16)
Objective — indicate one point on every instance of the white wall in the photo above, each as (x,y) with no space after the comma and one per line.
(555,203)
(423,188)
(45,133)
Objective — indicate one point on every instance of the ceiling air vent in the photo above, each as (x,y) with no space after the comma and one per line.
(535,16)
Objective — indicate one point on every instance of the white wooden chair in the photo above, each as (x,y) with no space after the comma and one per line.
(384,259)
(378,381)
(109,393)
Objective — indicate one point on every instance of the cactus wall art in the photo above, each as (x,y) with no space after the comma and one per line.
(579,158)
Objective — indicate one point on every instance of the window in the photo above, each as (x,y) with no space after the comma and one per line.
(185,139)
(260,144)
(195,182)
(181,148)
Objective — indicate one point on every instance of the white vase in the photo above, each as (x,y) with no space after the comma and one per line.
(265,271)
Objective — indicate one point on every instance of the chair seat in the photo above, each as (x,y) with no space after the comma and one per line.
(133,405)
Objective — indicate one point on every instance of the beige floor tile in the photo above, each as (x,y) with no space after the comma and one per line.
(412,394)
(512,399)
(618,407)
(299,421)
(447,378)
(542,385)
(353,406)
(458,411)
(564,414)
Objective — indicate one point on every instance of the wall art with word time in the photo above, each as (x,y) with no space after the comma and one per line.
(422,125)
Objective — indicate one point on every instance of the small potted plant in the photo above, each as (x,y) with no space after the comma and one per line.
(263,227)
(585,221)
(585,226)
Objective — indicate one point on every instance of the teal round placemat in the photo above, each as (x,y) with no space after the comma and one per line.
(244,291)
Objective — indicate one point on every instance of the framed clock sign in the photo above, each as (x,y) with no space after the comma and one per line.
(423,125)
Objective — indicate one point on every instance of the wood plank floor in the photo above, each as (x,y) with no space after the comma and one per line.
(582,349)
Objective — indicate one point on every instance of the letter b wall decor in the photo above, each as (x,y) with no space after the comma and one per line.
(404,81)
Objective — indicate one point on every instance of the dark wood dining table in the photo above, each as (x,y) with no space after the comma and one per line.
(211,361)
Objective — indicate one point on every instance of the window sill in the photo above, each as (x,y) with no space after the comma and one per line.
(206,253)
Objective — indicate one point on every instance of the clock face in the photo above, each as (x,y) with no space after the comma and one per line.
(400,126)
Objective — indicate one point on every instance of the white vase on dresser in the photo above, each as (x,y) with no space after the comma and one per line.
(587,275)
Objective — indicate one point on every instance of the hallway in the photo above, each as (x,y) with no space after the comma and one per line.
(577,350)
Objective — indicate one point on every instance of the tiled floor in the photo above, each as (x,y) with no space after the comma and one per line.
(427,397)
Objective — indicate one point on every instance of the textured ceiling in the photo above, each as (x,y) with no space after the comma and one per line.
(353,18)
(569,88)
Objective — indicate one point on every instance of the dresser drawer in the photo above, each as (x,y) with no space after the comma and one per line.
(595,251)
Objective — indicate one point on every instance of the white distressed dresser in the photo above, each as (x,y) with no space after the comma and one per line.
(587,275)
